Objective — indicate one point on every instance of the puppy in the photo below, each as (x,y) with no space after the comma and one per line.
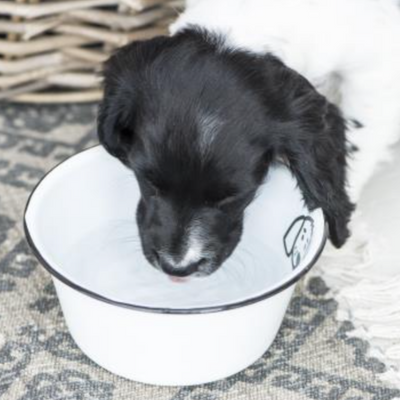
(199,116)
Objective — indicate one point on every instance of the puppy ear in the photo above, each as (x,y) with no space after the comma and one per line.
(314,144)
(112,131)
(125,76)
(115,120)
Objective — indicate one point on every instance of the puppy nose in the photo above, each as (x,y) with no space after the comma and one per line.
(171,268)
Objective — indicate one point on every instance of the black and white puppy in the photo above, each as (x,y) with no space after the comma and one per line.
(199,117)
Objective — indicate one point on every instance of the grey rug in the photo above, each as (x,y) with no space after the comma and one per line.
(312,357)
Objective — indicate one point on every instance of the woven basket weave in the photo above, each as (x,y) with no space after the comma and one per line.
(51,50)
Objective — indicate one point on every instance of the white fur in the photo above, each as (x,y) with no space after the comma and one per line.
(209,125)
(194,249)
(355,41)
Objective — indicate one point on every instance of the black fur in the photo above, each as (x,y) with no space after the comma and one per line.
(156,94)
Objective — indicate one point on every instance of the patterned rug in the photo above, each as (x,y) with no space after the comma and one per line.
(312,357)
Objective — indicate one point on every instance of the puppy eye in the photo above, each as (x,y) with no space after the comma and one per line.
(153,188)
(155,191)
(220,201)
(226,200)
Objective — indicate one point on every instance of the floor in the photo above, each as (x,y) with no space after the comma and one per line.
(312,357)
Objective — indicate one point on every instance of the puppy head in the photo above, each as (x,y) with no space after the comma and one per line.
(199,124)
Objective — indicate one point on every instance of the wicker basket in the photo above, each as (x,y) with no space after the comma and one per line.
(51,50)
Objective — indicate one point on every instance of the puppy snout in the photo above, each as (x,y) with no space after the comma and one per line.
(180,269)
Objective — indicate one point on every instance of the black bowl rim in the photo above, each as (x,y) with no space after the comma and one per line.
(161,310)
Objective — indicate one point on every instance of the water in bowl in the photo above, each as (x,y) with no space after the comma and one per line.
(110,261)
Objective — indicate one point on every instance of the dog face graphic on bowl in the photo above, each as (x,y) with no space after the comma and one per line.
(297,239)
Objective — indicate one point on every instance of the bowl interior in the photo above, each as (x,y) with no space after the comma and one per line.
(81,221)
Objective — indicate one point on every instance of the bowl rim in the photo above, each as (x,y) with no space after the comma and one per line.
(161,310)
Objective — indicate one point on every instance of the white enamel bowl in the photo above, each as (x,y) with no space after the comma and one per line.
(162,340)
